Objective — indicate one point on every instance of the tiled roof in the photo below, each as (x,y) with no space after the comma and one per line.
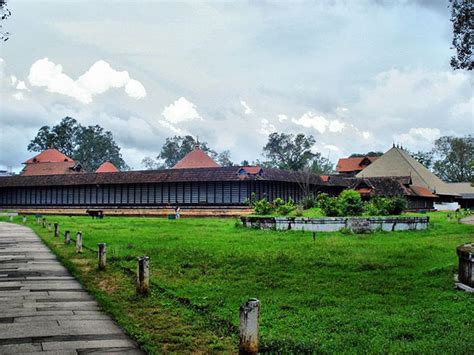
(150,176)
(422,191)
(107,167)
(50,155)
(347,165)
(65,167)
(196,159)
(253,170)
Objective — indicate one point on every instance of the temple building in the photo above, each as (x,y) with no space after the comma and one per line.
(50,162)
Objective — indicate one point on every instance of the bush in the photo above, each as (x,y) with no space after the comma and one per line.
(299,211)
(350,203)
(384,206)
(285,208)
(328,205)
(309,201)
(397,205)
(278,202)
(263,207)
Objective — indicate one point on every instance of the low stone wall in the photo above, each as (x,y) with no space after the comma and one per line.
(334,224)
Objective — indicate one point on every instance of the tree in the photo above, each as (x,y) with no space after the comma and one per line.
(425,158)
(175,148)
(462,17)
(321,165)
(455,158)
(63,137)
(5,13)
(223,158)
(151,164)
(91,146)
(286,151)
(369,154)
(244,163)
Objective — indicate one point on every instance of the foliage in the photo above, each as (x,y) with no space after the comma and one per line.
(175,148)
(321,165)
(263,207)
(350,203)
(5,13)
(91,145)
(335,294)
(309,201)
(456,158)
(223,158)
(385,206)
(462,17)
(287,151)
(151,164)
(329,205)
(425,158)
(285,208)
(369,154)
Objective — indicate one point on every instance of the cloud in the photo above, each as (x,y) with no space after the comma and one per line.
(418,138)
(332,147)
(282,117)
(247,108)
(266,127)
(100,78)
(18,96)
(21,86)
(319,123)
(169,126)
(181,110)
(366,134)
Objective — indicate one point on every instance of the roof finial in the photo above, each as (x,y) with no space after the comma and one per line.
(197,142)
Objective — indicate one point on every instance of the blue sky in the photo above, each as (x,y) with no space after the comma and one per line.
(357,75)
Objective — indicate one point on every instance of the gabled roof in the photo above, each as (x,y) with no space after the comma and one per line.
(347,165)
(196,159)
(397,162)
(65,167)
(252,170)
(50,155)
(107,167)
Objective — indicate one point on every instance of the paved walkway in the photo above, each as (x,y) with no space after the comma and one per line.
(468,220)
(43,309)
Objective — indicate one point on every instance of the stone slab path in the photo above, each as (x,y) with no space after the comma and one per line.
(43,309)
(468,220)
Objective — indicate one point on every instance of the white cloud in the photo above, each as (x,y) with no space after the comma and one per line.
(332,147)
(13,79)
(100,78)
(171,127)
(366,134)
(336,126)
(181,110)
(308,120)
(266,127)
(21,86)
(247,108)
(18,96)
(418,138)
(282,117)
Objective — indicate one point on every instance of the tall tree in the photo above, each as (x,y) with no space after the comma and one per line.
(455,158)
(223,158)
(425,158)
(369,154)
(91,146)
(462,17)
(321,165)
(175,148)
(287,151)
(97,145)
(151,164)
(4,14)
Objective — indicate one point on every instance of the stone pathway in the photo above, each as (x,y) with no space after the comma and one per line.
(43,309)
(468,220)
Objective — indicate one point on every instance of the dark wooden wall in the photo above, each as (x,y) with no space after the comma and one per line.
(158,194)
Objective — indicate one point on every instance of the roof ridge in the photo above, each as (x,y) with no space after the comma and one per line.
(413,168)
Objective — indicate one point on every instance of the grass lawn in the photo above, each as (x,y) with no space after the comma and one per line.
(381,292)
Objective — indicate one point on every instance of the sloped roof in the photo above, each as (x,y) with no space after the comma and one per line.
(397,162)
(251,169)
(65,167)
(346,165)
(107,167)
(465,189)
(196,159)
(50,155)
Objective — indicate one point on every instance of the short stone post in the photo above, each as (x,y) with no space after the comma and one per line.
(248,330)
(44,222)
(67,237)
(314,236)
(49,226)
(143,275)
(466,267)
(10,218)
(79,242)
(102,257)
(24,219)
(56,230)
(38,219)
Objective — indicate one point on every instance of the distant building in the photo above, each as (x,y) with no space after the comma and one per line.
(197,158)
(353,166)
(50,162)
(107,167)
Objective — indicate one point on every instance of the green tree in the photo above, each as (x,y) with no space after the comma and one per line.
(462,17)
(4,14)
(455,161)
(91,146)
(175,148)
(223,158)
(321,165)
(369,154)
(287,151)
(425,158)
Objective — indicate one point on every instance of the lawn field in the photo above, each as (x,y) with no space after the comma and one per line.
(342,293)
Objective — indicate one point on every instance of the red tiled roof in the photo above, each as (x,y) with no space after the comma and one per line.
(254,170)
(346,165)
(422,191)
(325,178)
(196,159)
(107,167)
(50,155)
(48,168)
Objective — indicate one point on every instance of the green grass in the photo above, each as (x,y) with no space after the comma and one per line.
(382,292)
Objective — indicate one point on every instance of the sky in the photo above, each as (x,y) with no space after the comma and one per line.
(357,75)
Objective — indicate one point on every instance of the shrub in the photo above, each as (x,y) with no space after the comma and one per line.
(329,205)
(350,203)
(309,201)
(285,208)
(263,207)
(377,206)
(278,202)
(299,211)
(397,205)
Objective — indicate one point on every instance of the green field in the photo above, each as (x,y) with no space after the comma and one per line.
(381,292)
